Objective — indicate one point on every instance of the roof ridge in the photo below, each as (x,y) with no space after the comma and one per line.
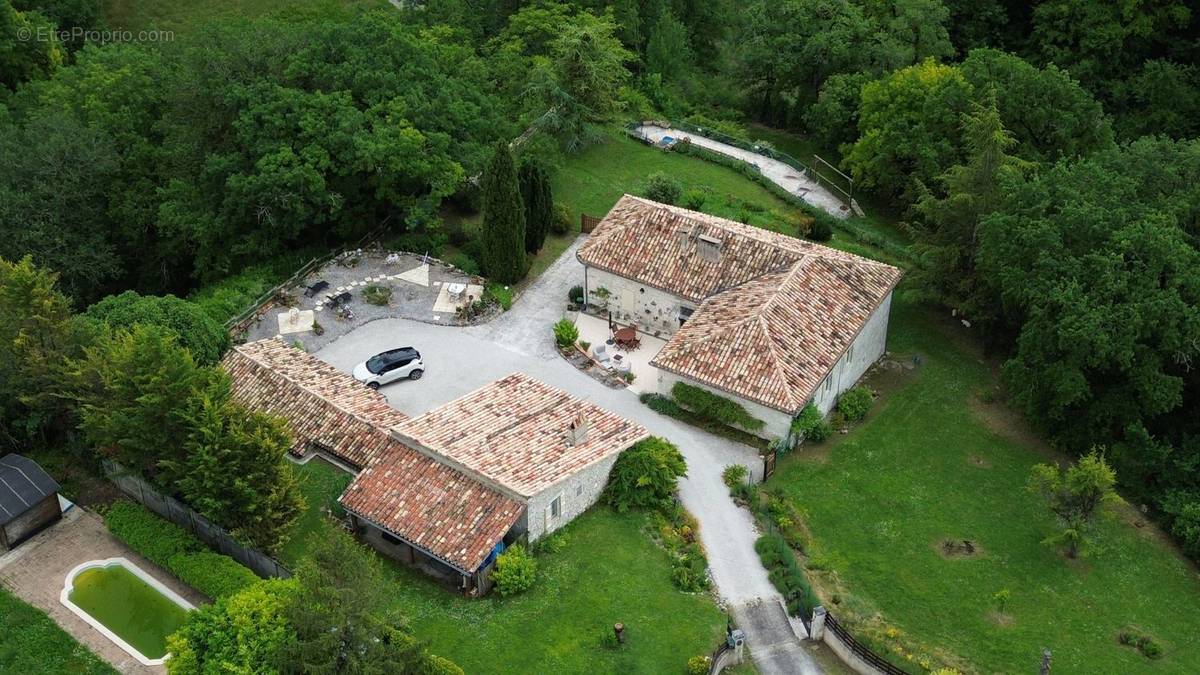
(292,381)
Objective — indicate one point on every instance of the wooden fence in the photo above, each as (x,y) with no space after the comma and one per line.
(238,323)
(588,223)
(860,650)
(182,515)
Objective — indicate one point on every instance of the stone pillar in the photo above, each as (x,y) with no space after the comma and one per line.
(817,631)
(737,640)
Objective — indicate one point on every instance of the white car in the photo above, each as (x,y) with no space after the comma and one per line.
(389,366)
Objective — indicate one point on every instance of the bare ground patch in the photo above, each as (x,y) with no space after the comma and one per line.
(958,549)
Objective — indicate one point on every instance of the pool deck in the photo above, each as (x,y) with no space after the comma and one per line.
(35,572)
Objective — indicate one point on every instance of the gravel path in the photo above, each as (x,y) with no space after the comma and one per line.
(779,173)
(460,360)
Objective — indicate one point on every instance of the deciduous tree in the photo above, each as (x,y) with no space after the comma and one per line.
(1075,496)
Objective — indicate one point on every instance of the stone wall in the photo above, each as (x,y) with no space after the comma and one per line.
(578,492)
(868,347)
(632,302)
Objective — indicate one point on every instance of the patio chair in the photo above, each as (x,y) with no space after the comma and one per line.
(600,353)
(340,299)
(311,291)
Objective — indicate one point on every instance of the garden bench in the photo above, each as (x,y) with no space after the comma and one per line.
(311,291)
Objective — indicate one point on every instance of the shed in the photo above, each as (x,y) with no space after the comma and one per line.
(28,500)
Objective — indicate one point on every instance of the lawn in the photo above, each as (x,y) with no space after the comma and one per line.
(935,461)
(605,570)
(183,17)
(592,181)
(30,642)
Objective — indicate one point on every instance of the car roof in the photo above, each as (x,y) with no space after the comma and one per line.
(402,351)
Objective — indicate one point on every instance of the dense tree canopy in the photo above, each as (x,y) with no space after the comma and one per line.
(199,333)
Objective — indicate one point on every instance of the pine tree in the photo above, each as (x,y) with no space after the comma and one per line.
(503,219)
(539,205)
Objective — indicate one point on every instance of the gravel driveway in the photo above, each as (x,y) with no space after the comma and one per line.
(460,360)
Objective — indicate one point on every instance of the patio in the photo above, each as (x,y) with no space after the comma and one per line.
(423,289)
(594,330)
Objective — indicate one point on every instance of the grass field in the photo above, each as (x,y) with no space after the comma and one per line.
(933,461)
(593,180)
(606,571)
(184,17)
(30,642)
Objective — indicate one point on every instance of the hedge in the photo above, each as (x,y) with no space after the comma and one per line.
(786,575)
(177,551)
(713,407)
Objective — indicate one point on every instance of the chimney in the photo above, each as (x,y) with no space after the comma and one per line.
(577,431)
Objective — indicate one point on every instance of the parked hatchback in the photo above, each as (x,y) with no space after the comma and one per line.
(389,366)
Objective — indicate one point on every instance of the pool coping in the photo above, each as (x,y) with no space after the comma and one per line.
(69,585)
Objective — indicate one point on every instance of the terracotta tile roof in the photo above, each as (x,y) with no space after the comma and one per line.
(776,312)
(438,509)
(321,404)
(656,244)
(773,340)
(513,431)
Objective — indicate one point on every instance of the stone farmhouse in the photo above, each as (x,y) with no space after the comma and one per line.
(770,321)
(446,491)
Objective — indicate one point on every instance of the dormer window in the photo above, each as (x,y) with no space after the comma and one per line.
(709,247)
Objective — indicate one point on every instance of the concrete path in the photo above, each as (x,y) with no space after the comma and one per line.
(774,645)
(460,360)
(781,174)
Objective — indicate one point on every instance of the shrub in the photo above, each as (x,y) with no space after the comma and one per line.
(191,326)
(561,223)
(810,425)
(1150,648)
(645,475)
(662,188)
(734,475)
(238,633)
(585,345)
(146,533)
(465,262)
(515,571)
(854,403)
(565,333)
(1183,510)
(716,408)
(213,574)
(699,665)
(821,228)
(660,404)
(694,199)
(785,574)
(500,294)
(575,295)
(177,551)
(377,295)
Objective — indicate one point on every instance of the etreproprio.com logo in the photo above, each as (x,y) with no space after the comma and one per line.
(78,34)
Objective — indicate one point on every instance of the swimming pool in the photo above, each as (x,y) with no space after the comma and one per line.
(127,605)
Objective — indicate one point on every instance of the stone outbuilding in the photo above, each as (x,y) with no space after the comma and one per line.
(449,490)
(769,321)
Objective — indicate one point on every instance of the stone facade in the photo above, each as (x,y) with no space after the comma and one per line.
(866,349)
(651,309)
(577,493)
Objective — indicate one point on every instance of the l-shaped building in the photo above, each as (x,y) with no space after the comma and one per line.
(447,490)
(770,321)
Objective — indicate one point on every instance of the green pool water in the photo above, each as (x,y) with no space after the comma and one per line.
(129,607)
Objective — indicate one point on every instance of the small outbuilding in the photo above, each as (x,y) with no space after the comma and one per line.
(28,500)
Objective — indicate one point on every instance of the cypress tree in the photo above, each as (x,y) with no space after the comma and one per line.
(503,219)
(539,207)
